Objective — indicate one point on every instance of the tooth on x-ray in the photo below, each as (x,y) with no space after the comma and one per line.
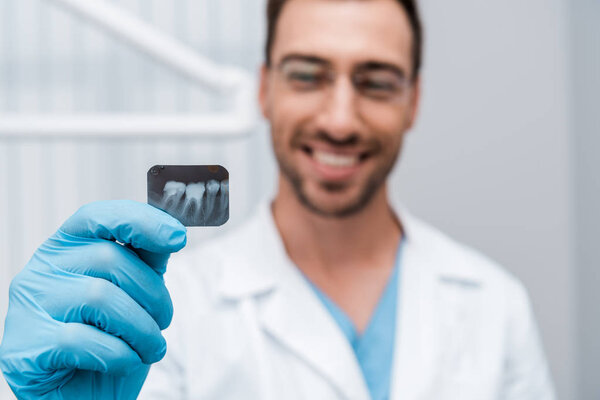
(194,192)
(212,188)
(172,195)
(197,195)
(224,201)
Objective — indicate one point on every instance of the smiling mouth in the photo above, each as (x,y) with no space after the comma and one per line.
(335,160)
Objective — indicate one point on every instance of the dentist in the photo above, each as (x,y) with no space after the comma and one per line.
(328,292)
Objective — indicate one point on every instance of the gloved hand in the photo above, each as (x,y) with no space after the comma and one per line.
(85,314)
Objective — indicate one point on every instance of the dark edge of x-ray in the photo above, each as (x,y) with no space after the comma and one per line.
(197,195)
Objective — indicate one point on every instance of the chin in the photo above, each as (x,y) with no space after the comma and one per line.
(336,204)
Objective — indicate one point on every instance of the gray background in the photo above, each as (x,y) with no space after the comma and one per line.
(503,157)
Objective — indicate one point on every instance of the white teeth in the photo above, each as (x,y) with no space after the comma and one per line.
(197,204)
(335,160)
(174,188)
(195,191)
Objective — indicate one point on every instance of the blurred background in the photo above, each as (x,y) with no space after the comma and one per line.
(504,157)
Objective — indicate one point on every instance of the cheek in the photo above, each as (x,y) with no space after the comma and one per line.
(296,107)
(391,124)
(290,113)
(287,106)
(385,116)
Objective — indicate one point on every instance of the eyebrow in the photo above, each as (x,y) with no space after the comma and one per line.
(381,66)
(305,58)
(366,66)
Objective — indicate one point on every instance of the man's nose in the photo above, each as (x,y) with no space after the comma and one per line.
(338,115)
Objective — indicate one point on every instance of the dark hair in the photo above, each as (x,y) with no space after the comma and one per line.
(274,8)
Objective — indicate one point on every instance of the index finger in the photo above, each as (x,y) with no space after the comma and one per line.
(138,224)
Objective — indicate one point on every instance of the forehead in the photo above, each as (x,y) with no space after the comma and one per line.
(345,32)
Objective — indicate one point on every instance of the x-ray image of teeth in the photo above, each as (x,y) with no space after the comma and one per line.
(197,204)
(188,194)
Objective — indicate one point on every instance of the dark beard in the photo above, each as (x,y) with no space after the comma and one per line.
(373,184)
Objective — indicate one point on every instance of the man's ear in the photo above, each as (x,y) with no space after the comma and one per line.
(414,103)
(263,91)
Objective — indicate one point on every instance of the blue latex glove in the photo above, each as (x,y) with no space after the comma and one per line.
(85,314)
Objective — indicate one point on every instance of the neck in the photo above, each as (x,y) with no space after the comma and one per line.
(362,240)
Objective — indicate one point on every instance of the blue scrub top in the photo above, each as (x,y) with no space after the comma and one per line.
(374,349)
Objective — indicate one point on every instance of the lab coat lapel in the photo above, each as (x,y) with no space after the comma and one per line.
(435,303)
(294,316)
(413,351)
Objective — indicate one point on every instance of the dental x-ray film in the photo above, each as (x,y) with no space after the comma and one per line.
(197,195)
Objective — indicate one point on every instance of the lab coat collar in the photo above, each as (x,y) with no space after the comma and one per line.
(257,269)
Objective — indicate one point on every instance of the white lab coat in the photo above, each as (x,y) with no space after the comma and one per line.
(247,326)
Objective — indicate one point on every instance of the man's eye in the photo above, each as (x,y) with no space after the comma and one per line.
(378,87)
(381,85)
(304,77)
(305,80)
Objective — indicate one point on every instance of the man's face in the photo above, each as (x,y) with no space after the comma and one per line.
(339,97)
